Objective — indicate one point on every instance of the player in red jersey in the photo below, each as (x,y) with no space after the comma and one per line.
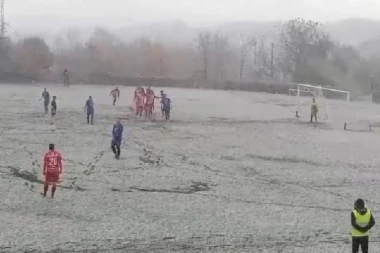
(139,104)
(115,93)
(139,100)
(149,102)
(52,169)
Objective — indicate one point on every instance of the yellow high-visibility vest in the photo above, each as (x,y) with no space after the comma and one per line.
(362,221)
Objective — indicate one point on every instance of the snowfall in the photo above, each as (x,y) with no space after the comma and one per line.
(230,172)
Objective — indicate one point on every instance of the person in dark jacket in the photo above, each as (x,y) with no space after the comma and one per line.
(53,109)
(46,97)
(89,108)
(362,221)
(167,106)
(66,77)
(117,135)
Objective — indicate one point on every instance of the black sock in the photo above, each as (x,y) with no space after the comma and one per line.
(113,149)
(46,188)
(118,150)
(53,191)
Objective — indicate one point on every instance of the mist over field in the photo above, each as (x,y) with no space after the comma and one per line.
(244,42)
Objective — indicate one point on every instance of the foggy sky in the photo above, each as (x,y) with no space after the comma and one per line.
(194,11)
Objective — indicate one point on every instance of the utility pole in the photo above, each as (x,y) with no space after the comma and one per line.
(372,87)
(272,60)
(2,21)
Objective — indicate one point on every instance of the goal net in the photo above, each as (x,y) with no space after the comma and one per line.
(305,93)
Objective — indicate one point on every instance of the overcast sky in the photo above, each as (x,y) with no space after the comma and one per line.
(195,10)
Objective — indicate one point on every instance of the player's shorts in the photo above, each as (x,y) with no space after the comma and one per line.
(140,108)
(53,112)
(52,177)
(116,142)
(149,108)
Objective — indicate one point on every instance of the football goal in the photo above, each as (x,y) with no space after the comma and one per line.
(305,93)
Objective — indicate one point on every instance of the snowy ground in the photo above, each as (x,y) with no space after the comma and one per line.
(232,172)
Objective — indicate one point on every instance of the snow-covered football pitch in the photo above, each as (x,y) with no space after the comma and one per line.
(231,172)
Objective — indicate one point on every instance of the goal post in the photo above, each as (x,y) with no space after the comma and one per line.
(320,94)
(308,88)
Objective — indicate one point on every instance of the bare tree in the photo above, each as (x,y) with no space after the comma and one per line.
(5,60)
(302,53)
(32,55)
(247,46)
(72,37)
(204,48)
(219,55)
(263,65)
(102,50)
(301,40)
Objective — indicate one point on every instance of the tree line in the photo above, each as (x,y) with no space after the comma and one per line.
(301,52)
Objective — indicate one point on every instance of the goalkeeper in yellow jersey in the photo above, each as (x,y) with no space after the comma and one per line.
(314,111)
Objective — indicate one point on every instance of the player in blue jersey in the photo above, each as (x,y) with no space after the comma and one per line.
(167,106)
(46,97)
(117,135)
(89,108)
(53,109)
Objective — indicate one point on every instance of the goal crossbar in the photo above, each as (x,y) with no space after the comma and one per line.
(296,93)
(322,88)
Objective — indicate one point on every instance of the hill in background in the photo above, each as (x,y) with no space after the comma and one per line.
(359,32)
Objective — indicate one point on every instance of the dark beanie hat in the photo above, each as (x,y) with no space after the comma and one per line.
(359,203)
